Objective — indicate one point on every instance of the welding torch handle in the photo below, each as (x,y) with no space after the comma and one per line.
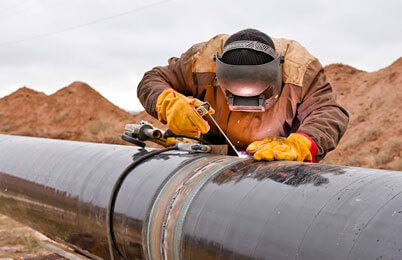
(203,109)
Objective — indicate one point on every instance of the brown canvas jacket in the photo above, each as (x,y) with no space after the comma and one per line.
(307,102)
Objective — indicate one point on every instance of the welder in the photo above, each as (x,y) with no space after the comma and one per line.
(269,96)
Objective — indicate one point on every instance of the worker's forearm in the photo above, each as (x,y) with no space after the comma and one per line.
(325,126)
(320,116)
(150,87)
(177,75)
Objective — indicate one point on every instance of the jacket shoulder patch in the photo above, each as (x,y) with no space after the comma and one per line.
(203,60)
(297,60)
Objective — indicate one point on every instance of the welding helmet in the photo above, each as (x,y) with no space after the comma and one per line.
(250,88)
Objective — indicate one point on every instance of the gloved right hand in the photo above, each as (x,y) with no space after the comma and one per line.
(296,147)
(178,112)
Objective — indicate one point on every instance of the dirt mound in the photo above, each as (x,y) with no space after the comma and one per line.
(76,112)
(374,135)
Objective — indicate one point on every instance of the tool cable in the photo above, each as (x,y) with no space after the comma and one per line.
(112,201)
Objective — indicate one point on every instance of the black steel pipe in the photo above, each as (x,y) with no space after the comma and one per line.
(181,206)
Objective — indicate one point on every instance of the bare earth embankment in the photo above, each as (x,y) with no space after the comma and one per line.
(374,101)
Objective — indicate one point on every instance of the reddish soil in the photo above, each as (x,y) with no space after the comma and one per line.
(374,135)
(18,241)
(75,112)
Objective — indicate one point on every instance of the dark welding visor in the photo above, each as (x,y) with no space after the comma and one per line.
(250,88)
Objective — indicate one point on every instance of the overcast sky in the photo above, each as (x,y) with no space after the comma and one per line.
(113,55)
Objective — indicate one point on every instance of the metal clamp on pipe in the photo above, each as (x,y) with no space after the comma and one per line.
(192,148)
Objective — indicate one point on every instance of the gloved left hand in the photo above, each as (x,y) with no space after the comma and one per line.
(179,113)
(296,147)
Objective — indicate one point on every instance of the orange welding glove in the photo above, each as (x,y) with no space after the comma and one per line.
(296,147)
(178,112)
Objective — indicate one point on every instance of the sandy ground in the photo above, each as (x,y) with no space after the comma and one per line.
(20,242)
(374,135)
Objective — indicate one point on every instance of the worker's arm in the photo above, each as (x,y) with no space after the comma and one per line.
(177,75)
(321,117)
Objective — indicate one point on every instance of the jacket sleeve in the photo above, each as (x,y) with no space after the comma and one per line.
(320,116)
(177,75)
